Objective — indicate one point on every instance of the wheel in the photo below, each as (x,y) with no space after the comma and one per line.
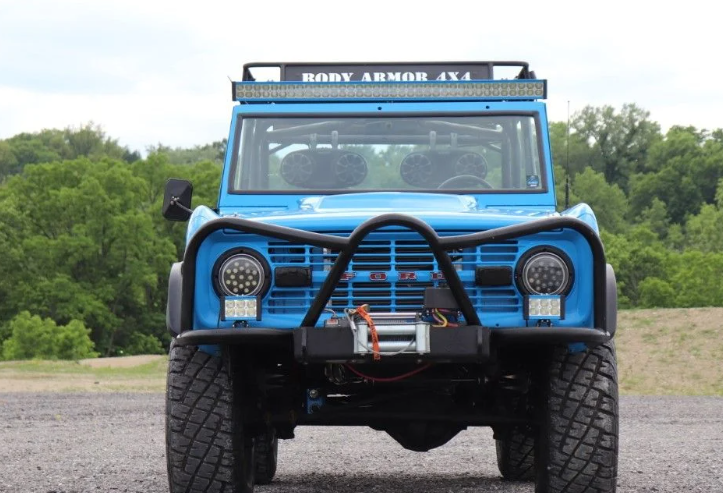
(267,451)
(515,445)
(207,450)
(516,454)
(577,445)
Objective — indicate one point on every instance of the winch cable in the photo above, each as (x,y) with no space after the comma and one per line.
(363,313)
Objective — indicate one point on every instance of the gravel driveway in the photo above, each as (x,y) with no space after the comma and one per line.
(67,443)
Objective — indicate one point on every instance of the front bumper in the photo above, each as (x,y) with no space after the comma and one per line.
(466,344)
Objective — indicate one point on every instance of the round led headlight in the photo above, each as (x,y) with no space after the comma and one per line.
(545,271)
(241,275)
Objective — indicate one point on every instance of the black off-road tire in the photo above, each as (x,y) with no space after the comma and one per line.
(207,450)
(516,454)
(577,447)
(267,451)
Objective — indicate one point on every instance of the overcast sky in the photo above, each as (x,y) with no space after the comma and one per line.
(154,72)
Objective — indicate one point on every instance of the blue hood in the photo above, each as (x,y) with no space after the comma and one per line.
(349,210)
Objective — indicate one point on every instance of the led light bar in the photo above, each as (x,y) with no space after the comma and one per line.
(491,90)
(240,308)
(544,307)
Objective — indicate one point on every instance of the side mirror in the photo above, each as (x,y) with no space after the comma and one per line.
(177,200)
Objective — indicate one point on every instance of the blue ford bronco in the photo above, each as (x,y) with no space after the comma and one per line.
(386,252)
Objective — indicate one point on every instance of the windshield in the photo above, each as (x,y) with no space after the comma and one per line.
(332,154)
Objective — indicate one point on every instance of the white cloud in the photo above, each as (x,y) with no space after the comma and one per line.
(156,71)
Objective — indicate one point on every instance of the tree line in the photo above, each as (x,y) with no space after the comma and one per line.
(658,198)
(86,253)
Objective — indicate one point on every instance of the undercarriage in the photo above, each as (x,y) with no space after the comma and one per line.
(422,405)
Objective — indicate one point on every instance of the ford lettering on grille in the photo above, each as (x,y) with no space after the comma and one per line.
(390,271)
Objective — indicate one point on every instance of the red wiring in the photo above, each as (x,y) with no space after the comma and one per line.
(388,379)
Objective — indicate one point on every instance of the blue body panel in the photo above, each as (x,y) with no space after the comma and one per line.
(584,213)
(448,214)
(497,307)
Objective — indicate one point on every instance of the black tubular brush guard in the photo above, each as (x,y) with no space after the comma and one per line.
(347,247)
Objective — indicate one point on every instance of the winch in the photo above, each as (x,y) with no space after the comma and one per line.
(396,332)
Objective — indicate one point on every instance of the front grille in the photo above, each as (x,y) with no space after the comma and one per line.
(389,254)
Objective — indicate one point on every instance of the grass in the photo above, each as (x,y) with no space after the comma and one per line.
(676,351)
(132,374)
(660,352)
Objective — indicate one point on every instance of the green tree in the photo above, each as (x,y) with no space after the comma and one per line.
(656,293)
(30,337)
(672,186)
(82,235)
(682,171)
(73,342)
(636,256)
(581,155)
(697,279)
(34,337)
(704,231)
(213,152)
(655,217)
(83,247)
(608,201)
(8,161)
(51,145)
(143,344)
(619,140)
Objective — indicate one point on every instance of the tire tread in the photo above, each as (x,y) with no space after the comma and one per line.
(200,438)
(266,457)
(579,436)
(516,455)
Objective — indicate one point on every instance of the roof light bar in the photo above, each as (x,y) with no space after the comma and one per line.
(492,90)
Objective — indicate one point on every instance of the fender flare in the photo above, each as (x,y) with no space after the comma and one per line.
(611,300)
(173,306)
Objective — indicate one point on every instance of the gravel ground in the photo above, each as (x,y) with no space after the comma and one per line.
(67,443)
